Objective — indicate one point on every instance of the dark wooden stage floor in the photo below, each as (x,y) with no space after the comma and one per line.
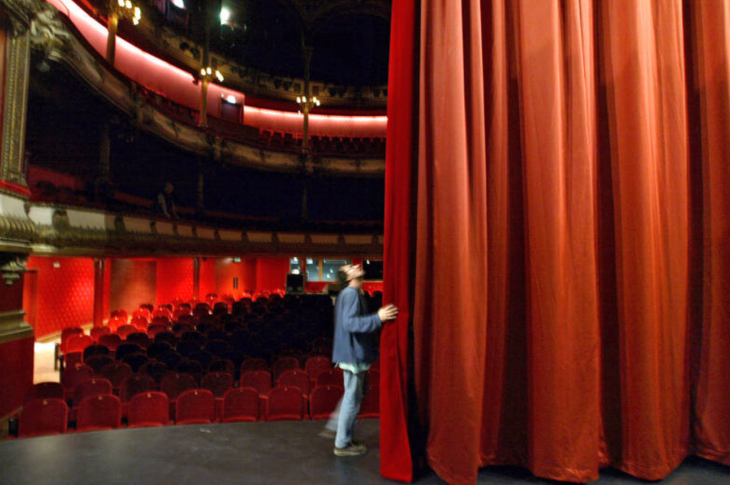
(278,453)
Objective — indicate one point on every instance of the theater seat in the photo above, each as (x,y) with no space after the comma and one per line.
(148,409)
(99,413)
(323,401)
(284,403)
(242,404)
(43,417)
(195,406)
(44,390)
(370,407)
(257,379)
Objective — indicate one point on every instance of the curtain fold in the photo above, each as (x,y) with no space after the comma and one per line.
(557,234)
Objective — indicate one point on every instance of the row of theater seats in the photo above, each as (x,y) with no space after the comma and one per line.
(175,352)
(336,146)
(178,400)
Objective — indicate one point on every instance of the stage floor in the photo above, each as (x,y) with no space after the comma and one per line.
(278,453)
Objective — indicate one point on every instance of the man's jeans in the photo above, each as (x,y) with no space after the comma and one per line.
(348,408)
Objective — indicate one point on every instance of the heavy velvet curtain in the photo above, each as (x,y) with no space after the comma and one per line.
(557,237)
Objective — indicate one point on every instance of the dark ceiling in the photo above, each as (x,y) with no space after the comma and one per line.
(350,38)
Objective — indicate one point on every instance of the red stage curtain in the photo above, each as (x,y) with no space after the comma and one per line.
(558,236)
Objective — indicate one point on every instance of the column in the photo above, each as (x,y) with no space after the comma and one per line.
(196,278)
(16,230)
(99,269)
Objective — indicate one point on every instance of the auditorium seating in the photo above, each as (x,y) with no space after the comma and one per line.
(269,365)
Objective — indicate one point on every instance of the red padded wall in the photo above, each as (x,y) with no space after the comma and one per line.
(16,362)
(174,279)
(133,282)
(271,273)
(65,294)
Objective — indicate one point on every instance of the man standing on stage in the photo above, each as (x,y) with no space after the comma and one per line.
(353,353)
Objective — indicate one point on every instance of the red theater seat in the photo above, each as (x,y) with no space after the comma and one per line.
(97,332)
(44,390)
(284,403)
(116,322)
(125,330)
(257,379)
(295,378)
(195,406)
(98,362)
(91,387)
(175,384)
(242,404)
(73,376)
(99,413)
(370,407)
(43,417)
(331,377)
(218,383)
(323,401)
(115,373)
(284,364)
(148,409)
(78,343)
(111,341)
(132,386)
(254,364)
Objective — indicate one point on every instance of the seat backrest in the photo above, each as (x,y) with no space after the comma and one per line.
(373,378)
(166,336)
(135,360)
(99,412)
(283,364)
(112,341)
(156,349)
(257,379)
(125,330)
(140,322)
(241,404)
(254,364)
(115,322)
(44,390)
(175,384)
(284,403)
(43,416)
(139,338)
(98,362)
(295,378)
(95,349)
(126,349)
(317,364)
(195,406)
(162,312)
(331,377)
(91,387)
(67,333)
(75,375)
(116,372)
(133,385)
(323,401)
(77,343)
(149,408)
(217,382)
(97,332)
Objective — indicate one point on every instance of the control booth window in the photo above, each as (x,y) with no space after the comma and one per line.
(330,267)
(373,269)
(317,269)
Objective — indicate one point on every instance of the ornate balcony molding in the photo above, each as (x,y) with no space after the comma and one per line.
(63,230)
(62,44)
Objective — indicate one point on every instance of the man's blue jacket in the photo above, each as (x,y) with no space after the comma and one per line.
(353,343)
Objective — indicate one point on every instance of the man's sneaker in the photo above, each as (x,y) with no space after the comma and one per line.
(353,449)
